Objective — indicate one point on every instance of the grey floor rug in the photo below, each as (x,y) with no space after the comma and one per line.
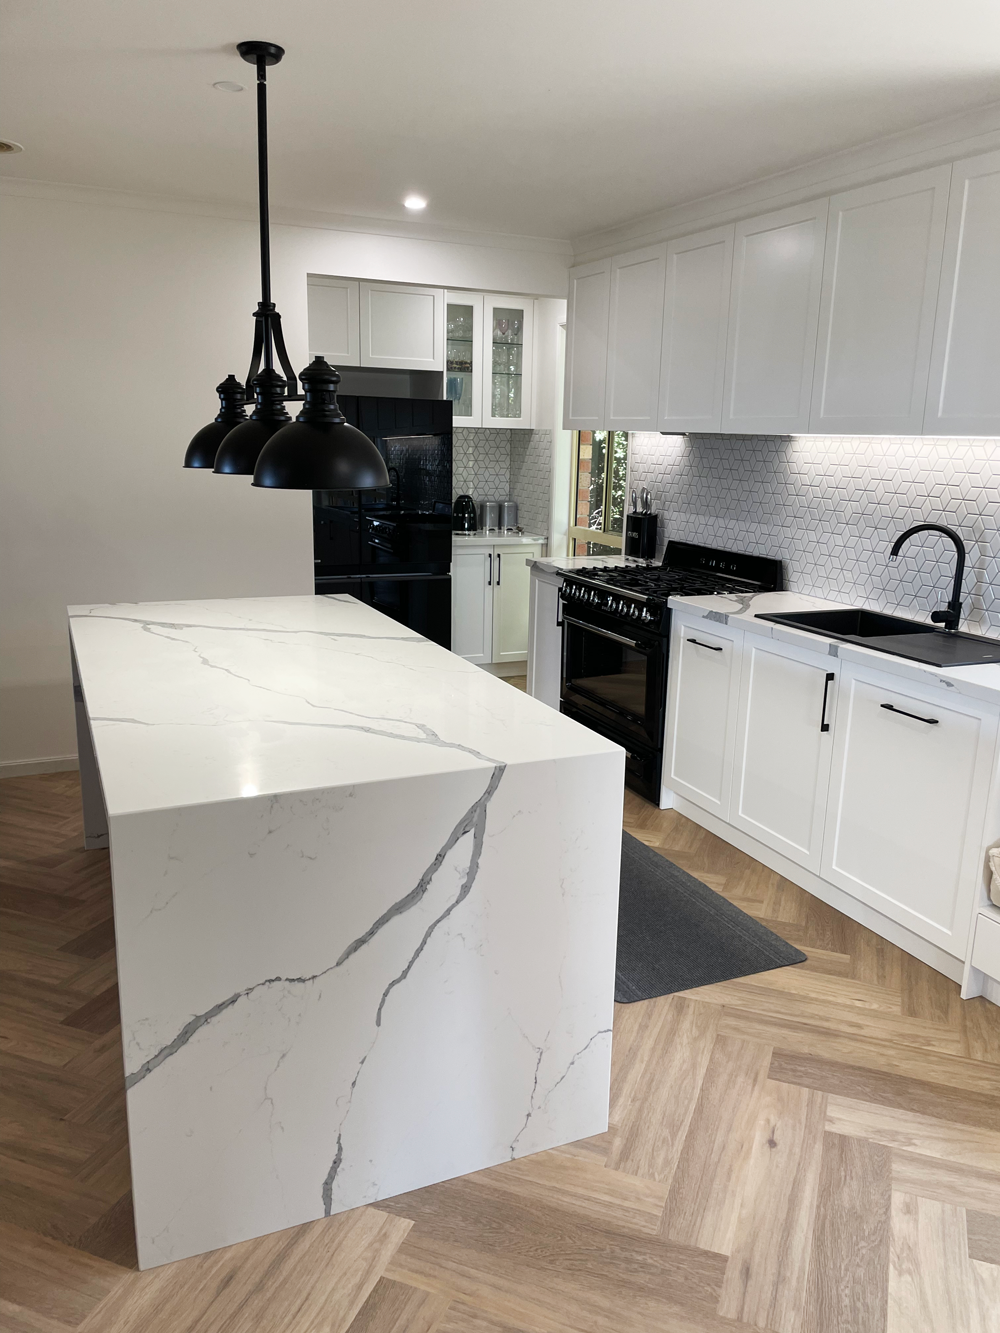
(675,933)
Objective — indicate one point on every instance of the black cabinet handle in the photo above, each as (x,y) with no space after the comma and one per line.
(830,676)
(712,647)
(891,708)
(498,569)
(489,576)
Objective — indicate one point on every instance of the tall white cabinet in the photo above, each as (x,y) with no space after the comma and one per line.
(587,346)
(964,394)
(880,281)
(634,330)
(695,327)
(773,319)
(876,311)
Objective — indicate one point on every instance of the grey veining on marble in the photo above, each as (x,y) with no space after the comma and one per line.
(365,903)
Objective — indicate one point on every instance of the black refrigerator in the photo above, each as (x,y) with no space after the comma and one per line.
(391,548)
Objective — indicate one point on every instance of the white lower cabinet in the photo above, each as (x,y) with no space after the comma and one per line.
(511,589)
(472,604)
(783,748)
(702,698)
(489,602)
(908,802)
(875,784)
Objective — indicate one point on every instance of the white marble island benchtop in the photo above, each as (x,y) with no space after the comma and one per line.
(365,909)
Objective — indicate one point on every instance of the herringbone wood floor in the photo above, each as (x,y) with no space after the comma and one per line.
(812,1150)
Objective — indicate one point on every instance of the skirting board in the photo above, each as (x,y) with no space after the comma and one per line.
(26,768)
(504,669)
(890,930)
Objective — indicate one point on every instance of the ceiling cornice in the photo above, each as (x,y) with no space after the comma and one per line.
(286,217)
(926,145)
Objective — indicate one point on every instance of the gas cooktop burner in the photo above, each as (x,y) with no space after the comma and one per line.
(638,593)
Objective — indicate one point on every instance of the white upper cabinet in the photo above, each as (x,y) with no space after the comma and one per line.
(463,383)
(964,393)
(634,329)
(402,328)
(880,283)
(911,779)
(587,346)
(507,360)
(695,325)
(334,306)
(773,318)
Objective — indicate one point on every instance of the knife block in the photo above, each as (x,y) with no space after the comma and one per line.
(640,536)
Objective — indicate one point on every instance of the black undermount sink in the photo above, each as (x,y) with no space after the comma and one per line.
(893,634)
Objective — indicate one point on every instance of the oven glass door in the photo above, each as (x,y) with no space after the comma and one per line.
(615,678)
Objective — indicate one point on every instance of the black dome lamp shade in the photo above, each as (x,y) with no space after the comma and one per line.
(318,451)
(239,451)
(202,450)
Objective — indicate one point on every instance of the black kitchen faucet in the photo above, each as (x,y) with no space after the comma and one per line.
(950,617)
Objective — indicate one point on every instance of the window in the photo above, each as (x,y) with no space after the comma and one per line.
(597,504)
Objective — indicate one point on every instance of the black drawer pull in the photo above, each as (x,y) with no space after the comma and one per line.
(712,647)
(891,708)
(830,678)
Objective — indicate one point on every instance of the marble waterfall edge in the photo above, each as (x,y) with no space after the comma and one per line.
(335,995)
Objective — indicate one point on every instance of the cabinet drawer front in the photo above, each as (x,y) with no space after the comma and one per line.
(783,752)
(908,806)
(986,946)
(704,675)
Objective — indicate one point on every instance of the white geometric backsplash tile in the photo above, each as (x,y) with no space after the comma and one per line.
(516,465)
(480,464)
(831,507)
(531,477)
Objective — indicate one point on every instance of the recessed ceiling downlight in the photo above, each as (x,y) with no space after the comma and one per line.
(227,86)
(9,146)
(415,202)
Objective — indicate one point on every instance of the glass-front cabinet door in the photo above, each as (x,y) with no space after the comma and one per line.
(463,376)
(507,361)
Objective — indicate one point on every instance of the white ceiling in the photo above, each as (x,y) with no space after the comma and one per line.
(539,117)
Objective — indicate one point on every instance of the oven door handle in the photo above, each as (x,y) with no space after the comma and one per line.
(605,633)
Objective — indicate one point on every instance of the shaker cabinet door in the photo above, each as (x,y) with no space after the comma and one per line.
(703,693)
(402,328)
(587,346)
(784,747)
(334,313)
(773,318)
(634,330)
(472,604)
(695,326)
(880,285)
(911,777)
(511,589)
(964,393)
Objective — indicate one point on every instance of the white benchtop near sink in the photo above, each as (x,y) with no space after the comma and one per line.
(496,539)
(976,682)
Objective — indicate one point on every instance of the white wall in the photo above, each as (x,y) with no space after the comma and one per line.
(120,318)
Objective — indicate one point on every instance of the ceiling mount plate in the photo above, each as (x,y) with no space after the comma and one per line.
(271,52)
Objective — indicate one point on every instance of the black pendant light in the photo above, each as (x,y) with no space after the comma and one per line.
(239,451)
(203,448)
(305,454)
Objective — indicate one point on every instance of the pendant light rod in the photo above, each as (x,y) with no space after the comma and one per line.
(262,195)
(268,338)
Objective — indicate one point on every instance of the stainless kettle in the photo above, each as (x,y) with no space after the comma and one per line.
(463,514)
